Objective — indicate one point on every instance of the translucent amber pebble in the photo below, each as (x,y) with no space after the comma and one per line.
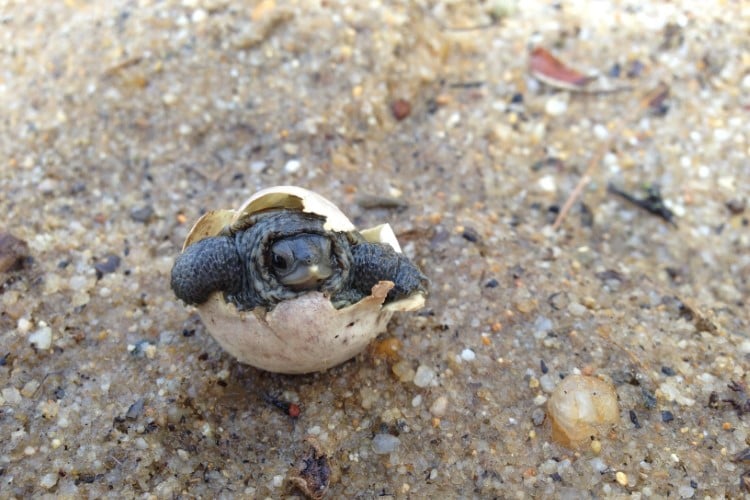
(581,408)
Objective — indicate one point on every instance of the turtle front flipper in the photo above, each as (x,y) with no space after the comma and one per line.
(375,262)
(208,266)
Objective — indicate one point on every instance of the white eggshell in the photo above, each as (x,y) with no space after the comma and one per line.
(304,334)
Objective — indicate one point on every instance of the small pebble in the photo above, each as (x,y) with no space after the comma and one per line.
(492,283)
(668,371)
(135,410)
(686,491)
(30,388)
(11,395)
(48,480)
(600,132)
(468,355)
(383,444)
(424,376)
(439,406)
(596,446)
(42,337)
(109,265)
(142,214)
(292,166)
(667,416)
(556,105)
(401,108)
(290,149)
(538,416)
(581,407)
(403,371)
(576,309)
(13,252)
(622,478)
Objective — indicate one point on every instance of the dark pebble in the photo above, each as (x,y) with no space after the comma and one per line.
(188,333)
(668,371)
(140,347)
(142,214)
(59,393)
(693,483)
(736,206)
(543,366)
(401,108)
(471,234)
(649,400)
(492,283)
(107,266)
(634,419)
(517,98)
(667,416)
(135,410)
(556,477)
(13,253)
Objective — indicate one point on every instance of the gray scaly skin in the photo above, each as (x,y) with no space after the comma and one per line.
(238,264)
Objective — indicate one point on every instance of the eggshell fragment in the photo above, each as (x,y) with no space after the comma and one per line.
(581,407)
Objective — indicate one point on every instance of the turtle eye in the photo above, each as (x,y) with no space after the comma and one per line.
(280,262)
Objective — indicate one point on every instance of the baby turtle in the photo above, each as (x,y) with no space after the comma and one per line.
(289,266)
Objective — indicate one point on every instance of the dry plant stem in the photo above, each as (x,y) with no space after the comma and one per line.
(580,186)
(643,105)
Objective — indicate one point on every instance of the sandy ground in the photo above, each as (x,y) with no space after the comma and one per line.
(121,122)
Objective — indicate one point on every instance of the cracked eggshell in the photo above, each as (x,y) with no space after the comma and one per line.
(304,334)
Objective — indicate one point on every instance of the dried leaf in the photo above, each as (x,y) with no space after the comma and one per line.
(550,70)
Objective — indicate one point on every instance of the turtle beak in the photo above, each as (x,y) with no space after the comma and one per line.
(308,276)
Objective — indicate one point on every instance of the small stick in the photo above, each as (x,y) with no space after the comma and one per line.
(582,183)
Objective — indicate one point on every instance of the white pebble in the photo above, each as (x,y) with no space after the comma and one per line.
(11,395)
(257,167)
(277,481)
(468,355)
(42,338)
(576,309)
(383,444)
(439,406)
(686,492)
(48,480)
(141,443)
(199,15)
(416,401)
(547,184)
(23,326)
(556,105)
(77,283)
(292,166)
(600,132)
(424,376)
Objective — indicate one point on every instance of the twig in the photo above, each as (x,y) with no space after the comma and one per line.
(582,183)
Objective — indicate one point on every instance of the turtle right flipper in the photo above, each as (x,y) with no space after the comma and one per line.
(375,262)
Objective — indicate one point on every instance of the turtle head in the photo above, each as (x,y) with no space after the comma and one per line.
(302,261)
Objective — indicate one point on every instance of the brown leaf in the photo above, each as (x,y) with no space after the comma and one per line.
(550,70)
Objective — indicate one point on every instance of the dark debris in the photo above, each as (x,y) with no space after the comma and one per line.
(653,202)
(312,472)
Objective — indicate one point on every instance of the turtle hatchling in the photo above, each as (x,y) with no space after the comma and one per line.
(287,284)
